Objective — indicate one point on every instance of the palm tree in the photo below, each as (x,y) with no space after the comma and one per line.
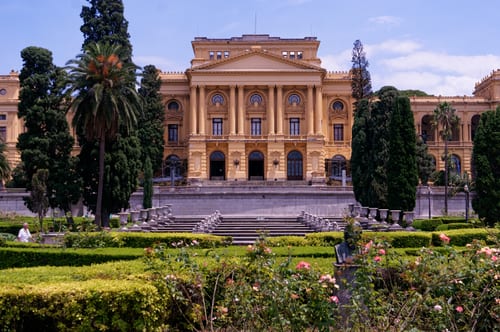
(445,117)
(4,165)
(104,99)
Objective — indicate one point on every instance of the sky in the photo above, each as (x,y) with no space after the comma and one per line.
(442,47)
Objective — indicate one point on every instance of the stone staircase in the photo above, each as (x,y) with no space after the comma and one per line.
(244,230)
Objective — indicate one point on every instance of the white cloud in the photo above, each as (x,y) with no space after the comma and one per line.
(392,46)
(385,20)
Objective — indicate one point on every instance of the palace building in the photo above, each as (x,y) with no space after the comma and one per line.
(261,108)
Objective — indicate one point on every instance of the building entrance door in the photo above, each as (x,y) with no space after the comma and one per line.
(256,166)
(294,166)
(217,166)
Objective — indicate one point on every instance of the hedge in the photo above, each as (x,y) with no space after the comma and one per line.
(462,237)
(456,225)
(93,305)
(37,256)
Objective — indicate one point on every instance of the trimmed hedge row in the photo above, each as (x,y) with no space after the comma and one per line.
(37,256)
(93,305)
(462,237)
(144,240)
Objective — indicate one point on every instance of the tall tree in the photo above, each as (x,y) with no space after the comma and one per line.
(360,156)
(147,200)
(46,143)
(486,161)
(381,114)
(151,131)
(105,103)
(402,175)
(38,194)
(103,21)
(4,165)
(361,80)
(446,120)
(425,164)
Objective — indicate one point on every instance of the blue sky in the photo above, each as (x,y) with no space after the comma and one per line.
(442,47)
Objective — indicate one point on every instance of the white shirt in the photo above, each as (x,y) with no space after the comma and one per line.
(24,235)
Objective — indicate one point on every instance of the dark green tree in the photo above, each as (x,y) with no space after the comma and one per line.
(103,21)
(446,120)
(4,165)
(381,114)
(425,164)
(486,161)
(147,199)
(39,202)
(360,156)
(402,175)
(105,105)
(46,142)
(361,82)
(151,131)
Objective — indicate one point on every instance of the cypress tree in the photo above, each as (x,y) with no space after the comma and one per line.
(147,199)
(361,80)
(402,175)
(486,161)
(360,156)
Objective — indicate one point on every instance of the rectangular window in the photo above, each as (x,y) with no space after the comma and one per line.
(217,127)
(3,134)
(211,55)
(226,54)
(299,55)
(294,127)
(256,126)
(219,55)
(284,54)
(3,116)
(338,132)
(173,133)
(292,55)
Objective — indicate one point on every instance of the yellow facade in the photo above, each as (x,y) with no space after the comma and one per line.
(256,107)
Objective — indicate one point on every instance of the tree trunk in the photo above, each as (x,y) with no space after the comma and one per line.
(446,177)
(100,184)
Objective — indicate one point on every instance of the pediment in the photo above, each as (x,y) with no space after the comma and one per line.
(256,61)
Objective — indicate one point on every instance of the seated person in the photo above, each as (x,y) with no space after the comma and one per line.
(24,234)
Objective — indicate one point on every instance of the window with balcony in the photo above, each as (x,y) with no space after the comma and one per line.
(256,126)
(173,133)
(294,127)
(217,127)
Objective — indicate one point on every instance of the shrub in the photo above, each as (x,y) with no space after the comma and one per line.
(456,225)
(324,238)
(400,239)
(462,237)
(112,305)
(440,290)
(255,294)
(429,225)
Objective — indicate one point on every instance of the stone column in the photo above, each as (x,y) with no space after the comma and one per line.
(241,115)
(232,110)
(270,110)
(202,114)
(318,116)
(279,110)
(309,111)
(193,115)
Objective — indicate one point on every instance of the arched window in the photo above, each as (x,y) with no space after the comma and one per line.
(427,132)
(455,167)
(474,123)
(217,165)
(338,106)
(256,99)
(339,163)
(294,99)
(217,99)
(173,106)
(172,167)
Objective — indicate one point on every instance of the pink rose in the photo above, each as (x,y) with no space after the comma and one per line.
(303,265)
(381,252)
(333,299)
(444,238)
(459,309)
(377,258)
